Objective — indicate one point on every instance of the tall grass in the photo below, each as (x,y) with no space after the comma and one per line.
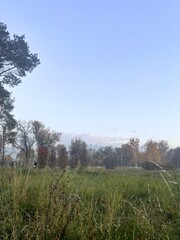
(119,204)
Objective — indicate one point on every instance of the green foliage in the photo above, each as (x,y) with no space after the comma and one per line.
(15,57)
(152,166)
(96,204)
(78,154)
(62,156)
(108,157)
(16,61)
(149,166)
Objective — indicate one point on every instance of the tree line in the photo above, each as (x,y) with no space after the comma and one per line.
(34,141)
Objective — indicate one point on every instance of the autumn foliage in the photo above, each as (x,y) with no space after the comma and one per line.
(42,156)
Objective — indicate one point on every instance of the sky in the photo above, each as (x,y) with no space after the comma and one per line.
(109,69)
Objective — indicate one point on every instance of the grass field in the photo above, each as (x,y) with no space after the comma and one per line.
(91,204)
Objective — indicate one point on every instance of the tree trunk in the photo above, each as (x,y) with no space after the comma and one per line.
(3,146)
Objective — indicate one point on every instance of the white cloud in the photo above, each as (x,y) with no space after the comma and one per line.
(93,139)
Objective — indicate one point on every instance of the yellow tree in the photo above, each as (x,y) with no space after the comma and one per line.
(134,143)
(152,152)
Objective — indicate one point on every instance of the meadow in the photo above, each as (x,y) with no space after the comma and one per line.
(89,204)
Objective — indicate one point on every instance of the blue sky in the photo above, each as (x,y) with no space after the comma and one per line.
(109,69)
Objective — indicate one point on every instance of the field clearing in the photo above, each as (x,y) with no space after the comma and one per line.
(89,204)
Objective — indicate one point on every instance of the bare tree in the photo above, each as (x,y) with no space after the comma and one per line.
(163,147)
(173,156)
(24,140)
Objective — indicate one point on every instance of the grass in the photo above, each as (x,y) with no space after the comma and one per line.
(96,204)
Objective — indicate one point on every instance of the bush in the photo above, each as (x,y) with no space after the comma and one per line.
(153,166)
(150,166)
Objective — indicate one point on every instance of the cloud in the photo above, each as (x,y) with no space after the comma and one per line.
(93,139)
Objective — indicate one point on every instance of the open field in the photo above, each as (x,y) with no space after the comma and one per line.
(91,204)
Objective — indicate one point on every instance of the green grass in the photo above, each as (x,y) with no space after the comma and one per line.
(96,204)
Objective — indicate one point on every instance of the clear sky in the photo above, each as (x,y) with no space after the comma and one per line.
(109,69)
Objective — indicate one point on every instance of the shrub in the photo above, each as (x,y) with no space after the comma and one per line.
(150,166)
